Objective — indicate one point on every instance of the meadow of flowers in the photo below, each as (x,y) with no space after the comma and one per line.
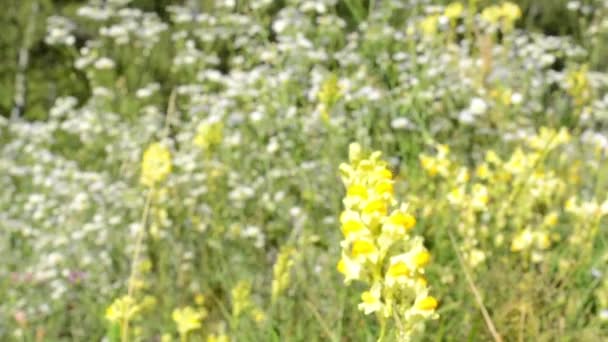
(299,170)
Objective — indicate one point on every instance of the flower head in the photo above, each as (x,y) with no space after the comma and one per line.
(156,164)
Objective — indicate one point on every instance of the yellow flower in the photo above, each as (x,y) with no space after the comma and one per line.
(241,298)
(480,196)
(370,300)
(422,258)
(399,222)
(427,303)
(522,241)
(281,272)
(330,91)
(429,25)
(372,235)
(454,10)
(209,135)
(491,14)
(456,196)
(123,309)
(483,171)
(510,11)
(156,164)
(350,268)
(187,319)
(363,248)
(399,269)
(218,338)
(199,299)
(351,223)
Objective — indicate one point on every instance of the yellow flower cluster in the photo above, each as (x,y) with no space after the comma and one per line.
(378,248)
(188,319)
(281,272)
(587,218)
(505,14)
(578,86)
(438,164)
(499,199)
(209,135)
(123,309)
(156,164)
(328,96)
(243,304)
(453,11)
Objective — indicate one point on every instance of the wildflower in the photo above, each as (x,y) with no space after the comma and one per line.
(209,135)
(510,11)
(429,24)
(156,164)
(281,272)
(374,232)
(241,300)
(370,300)
(328,95)
(454,10)
(491,14)
(218,338)
(187,319)
(122,309)
(199,299)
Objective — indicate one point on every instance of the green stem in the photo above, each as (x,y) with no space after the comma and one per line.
(124,330)
(382,329)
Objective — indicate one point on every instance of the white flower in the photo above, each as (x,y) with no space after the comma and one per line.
(478,106)
(401,123)
(516,98)
(104,63)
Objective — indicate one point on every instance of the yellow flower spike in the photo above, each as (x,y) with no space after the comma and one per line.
(156,164)
(427,303)
(372,235)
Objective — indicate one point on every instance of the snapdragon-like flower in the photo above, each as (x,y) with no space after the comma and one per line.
(188,319)
(378,248)
(122,309)
(155,165)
